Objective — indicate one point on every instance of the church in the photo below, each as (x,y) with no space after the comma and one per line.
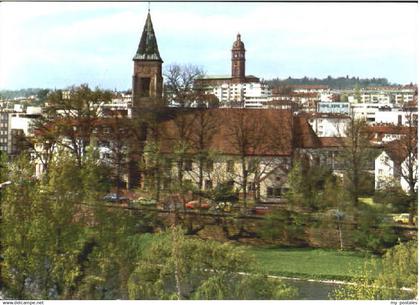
(235,90)
(251,150)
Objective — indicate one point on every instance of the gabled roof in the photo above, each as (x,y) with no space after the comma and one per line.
(327,142)
(148,47)
(327,115)
(268,132)
(389,129)
(304,135)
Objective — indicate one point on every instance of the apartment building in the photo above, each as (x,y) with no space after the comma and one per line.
(328,124)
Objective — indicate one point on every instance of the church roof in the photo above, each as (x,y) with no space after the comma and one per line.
(148,47)
(268,132)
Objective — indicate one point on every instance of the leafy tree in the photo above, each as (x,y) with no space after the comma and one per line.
(17,246)
(305,185)
(41,251)
(67,244)
(372,231)
(392,195)
(387,281)
(194,269)
(336,207)
(285,226)
(111,255)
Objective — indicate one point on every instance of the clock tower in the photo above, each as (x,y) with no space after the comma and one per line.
(238,60)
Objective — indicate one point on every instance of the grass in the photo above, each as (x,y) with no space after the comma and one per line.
(311,263)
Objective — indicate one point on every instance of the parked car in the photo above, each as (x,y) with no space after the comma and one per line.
(403,218)
(224,207)
(195,204)
(144,202)
(260,210)
(112,197)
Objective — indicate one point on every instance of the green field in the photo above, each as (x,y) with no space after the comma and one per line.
(311,263)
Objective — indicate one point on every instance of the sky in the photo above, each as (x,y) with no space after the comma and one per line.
(56,45)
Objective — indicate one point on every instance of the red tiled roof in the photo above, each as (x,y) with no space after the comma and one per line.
(265,132)
(326,115)
(304,135)
(331,142)
(388,129)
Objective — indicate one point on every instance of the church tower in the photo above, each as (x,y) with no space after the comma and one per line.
(238,60)
(147,91)
(147,76)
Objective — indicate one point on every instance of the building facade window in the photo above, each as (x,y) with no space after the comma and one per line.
(208,184)
(209,165)
(188,164)
(274,192)
(230,165)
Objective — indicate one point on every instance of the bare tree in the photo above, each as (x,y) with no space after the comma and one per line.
(179,82)
(246,133)
(205,125)
(114,133)
(409,168)
(355,156)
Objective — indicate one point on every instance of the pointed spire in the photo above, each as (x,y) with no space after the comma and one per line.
(148,47)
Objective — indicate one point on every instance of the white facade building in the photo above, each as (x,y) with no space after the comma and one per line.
(249,95)
(328,125)
(334,107)
(367,111)
(388,171)
(383,96)
(396,117)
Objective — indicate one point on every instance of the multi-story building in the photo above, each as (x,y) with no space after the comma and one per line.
(328,124)
(14,125)
(4,131)
(333,107)
(247,95)
(367,111)
(396,116)
(384,95)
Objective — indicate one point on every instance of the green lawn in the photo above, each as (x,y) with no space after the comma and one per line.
(310,263)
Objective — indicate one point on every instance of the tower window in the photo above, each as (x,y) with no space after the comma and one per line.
(145,86)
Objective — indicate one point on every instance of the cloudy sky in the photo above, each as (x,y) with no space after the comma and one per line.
(55,45)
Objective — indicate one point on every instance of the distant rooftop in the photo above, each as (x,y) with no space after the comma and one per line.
(223,77)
